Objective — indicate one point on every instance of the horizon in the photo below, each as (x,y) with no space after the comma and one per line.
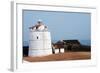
(84,42)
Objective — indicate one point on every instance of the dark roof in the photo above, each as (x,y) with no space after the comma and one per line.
(72,41)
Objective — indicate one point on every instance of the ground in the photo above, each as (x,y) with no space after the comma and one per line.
(60,57)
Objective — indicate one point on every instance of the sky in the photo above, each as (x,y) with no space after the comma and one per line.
(62,25)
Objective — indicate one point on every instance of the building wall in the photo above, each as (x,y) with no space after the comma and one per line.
(39,43)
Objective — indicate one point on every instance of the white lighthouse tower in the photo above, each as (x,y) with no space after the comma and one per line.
(40,40)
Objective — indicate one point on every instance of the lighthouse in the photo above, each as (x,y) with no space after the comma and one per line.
(39,40)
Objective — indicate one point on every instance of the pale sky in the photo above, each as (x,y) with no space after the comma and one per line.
(62,25)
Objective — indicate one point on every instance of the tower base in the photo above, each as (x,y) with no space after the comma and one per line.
(39,52)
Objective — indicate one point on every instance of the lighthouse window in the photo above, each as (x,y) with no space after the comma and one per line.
(37,37)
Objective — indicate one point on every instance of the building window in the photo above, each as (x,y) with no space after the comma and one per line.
(37,37)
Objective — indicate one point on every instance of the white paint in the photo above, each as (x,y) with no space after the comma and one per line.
(39,52)
(56,51)
(40,41)
(62,50)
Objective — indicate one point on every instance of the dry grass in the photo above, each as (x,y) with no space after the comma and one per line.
(61,56)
